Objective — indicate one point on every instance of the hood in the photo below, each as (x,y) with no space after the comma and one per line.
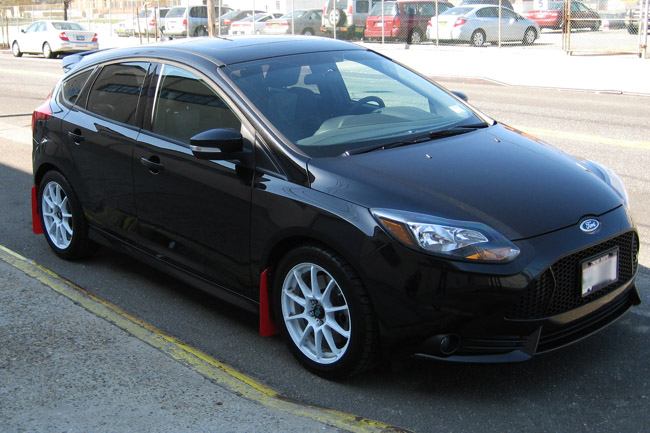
(518,185)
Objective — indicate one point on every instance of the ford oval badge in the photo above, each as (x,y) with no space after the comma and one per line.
(590,225)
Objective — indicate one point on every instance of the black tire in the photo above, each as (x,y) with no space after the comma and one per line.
(47,51)
(530,35)
(15,49)
(415,37)
(308,32)
(63,221)
(322,323)
(478,38)
(200,31)
(595,26)
(632,29)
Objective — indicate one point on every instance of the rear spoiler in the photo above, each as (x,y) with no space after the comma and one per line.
(70,62)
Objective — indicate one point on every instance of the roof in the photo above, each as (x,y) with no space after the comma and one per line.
(222,51)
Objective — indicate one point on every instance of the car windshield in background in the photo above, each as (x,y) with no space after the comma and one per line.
(330,103)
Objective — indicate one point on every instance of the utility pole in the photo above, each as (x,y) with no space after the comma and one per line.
(211,17)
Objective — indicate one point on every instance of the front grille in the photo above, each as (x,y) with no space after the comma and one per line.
(557,289)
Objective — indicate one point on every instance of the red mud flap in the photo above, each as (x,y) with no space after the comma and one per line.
(36,219)
(267,327)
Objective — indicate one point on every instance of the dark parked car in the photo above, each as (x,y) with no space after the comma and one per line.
(553,17)
(356,205)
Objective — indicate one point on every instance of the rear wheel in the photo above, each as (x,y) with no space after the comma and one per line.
(308,32)
(415,37)
(478,38)
(62,218)
(200,31)
(529,36)
(15,50)
(47,51)
(324,314)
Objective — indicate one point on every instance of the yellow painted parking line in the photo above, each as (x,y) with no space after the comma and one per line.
(28,72)
(635,144)
(202,363)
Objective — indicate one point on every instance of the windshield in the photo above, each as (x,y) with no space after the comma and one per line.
(329,103)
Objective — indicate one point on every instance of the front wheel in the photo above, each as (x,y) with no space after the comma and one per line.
(62,218)
(324,314)
(15,50)
(478,38)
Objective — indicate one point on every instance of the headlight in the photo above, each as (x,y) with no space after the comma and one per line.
(454,239)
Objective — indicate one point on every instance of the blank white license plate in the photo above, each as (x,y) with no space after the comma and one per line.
(599,272)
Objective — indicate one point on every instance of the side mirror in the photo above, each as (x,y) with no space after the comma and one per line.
(461,95)
(218,144)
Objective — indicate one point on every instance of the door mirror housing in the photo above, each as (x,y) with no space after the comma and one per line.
(218,144)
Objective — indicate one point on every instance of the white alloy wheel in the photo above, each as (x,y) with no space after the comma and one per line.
(316,313)
(57,215)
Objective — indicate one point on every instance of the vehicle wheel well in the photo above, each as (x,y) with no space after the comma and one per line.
(282,248)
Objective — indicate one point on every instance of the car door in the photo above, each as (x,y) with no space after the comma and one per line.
(511,27)
(488,18)
(100,134)
(30,40)
(192,213)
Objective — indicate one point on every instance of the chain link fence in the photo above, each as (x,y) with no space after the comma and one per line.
(577,27)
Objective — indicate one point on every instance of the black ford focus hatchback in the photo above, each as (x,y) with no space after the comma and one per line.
(361,209)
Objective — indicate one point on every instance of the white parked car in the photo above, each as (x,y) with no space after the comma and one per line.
(52,38)
(147,22)
(478,24)
(247,27)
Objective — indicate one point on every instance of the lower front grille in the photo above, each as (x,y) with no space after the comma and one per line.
(557,289)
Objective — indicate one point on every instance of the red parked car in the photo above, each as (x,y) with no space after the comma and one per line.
(402,20)
(553,17)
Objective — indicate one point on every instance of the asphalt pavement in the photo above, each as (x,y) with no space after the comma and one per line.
(71,362)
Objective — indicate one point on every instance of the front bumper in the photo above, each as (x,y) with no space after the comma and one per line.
(502,313)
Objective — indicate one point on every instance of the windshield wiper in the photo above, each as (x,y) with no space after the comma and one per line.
(431,135)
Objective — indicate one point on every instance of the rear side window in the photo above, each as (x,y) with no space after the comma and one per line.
(73,86)
(116,91)
(185,105)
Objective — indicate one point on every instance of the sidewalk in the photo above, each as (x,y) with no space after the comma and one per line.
(69,363)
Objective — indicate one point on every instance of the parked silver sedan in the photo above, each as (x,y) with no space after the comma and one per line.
(52,38)
(480,24)
(306,22)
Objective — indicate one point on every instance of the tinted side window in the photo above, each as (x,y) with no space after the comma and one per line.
(186,105)
(116,91)
(72,87)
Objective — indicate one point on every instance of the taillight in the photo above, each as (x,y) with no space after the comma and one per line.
(95,38)
(42,112)
(152,23)
(460,22)
(184,23)
(227,22)
(396,22)
(350,10)
(63,36)
(325,9)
